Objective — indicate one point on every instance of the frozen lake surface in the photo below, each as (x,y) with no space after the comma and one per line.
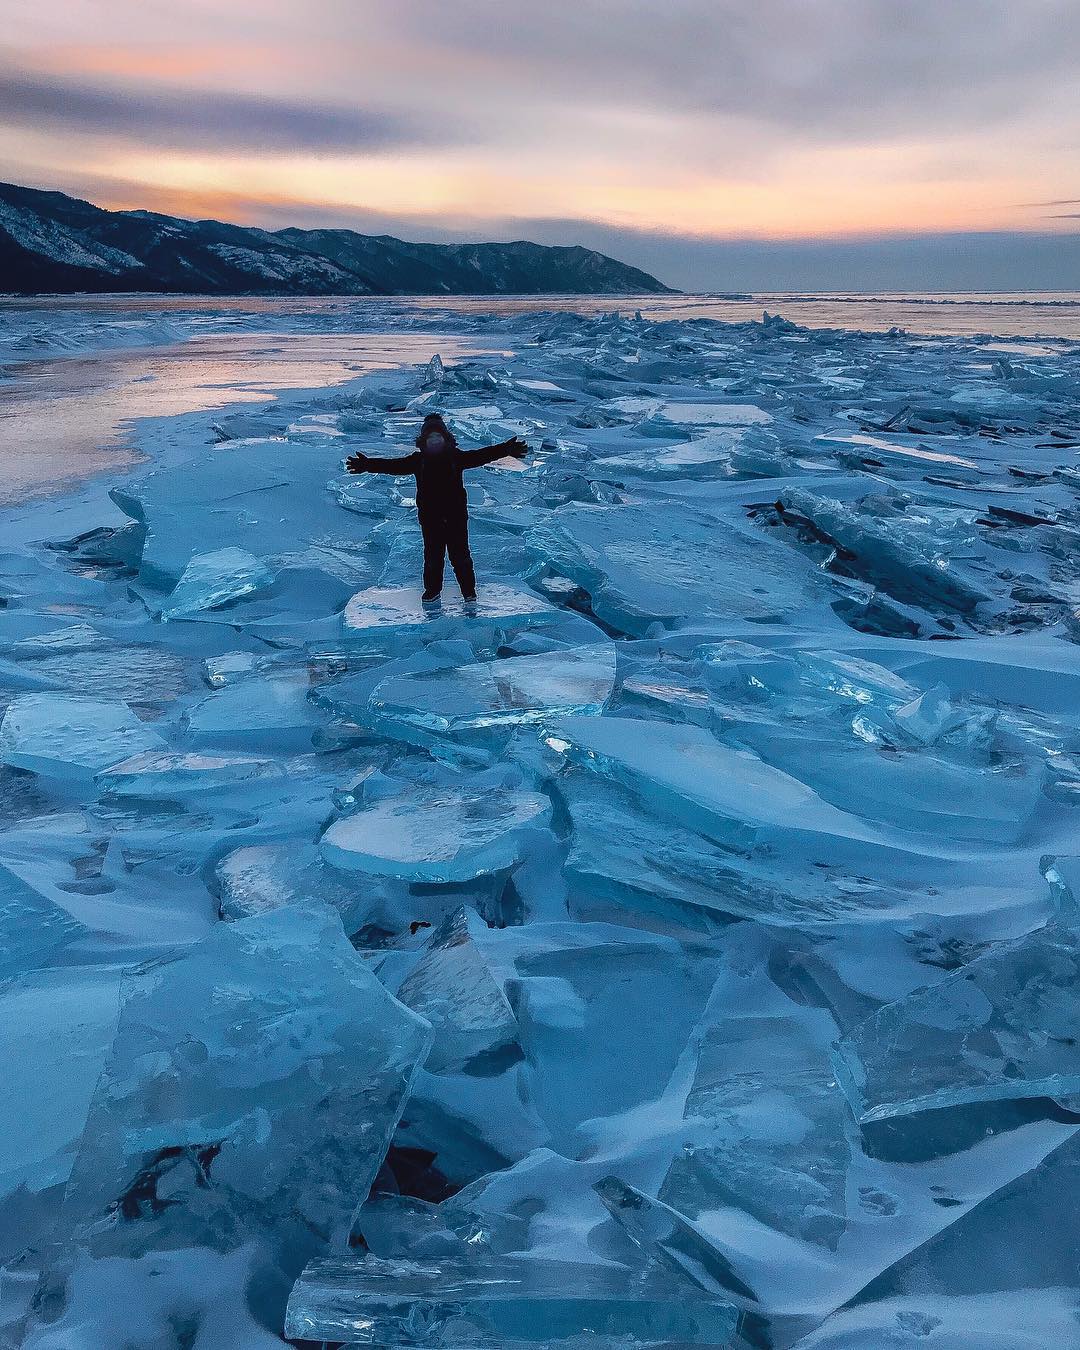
(678,948)
(63,418)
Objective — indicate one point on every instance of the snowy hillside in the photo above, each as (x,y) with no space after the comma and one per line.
(52,242)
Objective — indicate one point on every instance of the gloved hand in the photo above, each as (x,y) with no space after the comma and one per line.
(516,446)
(356,463)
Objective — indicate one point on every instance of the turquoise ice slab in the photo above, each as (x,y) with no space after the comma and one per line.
(494,695)
(453,988)
(1022,1236)
(70,737)
(625,858)
(668,1238)
(135,673)
(443,834)
(641,566)
(912,560)
(31,926)
(685,773)
(706,458)
(767,1130)
(56,1027)
(216,578)
(166,773)
(265,496)
(1006,1026)
(267,713)
(504,1304)
(252,1088)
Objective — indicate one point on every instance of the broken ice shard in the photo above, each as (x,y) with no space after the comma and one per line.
(65,737)
(453,989)
(233,497)
(667,1237)
(1063,876)
(1020,1237)
(768,1130)
(162,773)
(640,568)
(505,1304)
(706,458)
(214,579)
(900,551)
(624,859)
(1005,1026)
(31,926)
(449,833)
(494,695)
(252,1087)
(595,1044)
(261,877)
(685,773)
(262,713)
(56,1027)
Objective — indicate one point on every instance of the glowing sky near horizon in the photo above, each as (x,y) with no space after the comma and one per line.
(692,119)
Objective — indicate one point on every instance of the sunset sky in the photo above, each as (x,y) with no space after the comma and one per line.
(700,139)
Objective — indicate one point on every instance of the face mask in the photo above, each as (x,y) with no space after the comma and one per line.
(434,443)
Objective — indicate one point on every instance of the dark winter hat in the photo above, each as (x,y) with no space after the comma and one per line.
(434,422)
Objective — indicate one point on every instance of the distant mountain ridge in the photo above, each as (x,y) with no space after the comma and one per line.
(52,242)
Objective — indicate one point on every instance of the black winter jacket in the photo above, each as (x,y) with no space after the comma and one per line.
(440,486)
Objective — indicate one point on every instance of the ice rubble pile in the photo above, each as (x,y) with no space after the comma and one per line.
(682,949)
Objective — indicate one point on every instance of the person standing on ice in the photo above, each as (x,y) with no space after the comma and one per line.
(441,504)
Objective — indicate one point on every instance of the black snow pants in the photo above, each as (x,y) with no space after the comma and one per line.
(446,531)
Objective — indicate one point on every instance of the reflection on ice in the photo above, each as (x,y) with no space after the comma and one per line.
(394,609)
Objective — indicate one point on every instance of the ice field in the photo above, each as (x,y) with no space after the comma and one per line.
(682,949)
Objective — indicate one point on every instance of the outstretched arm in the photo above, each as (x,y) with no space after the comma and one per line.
(398,464)
(487,454)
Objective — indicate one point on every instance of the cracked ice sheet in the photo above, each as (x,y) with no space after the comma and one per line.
(870,906)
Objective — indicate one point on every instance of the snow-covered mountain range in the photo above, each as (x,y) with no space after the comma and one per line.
(52,242)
